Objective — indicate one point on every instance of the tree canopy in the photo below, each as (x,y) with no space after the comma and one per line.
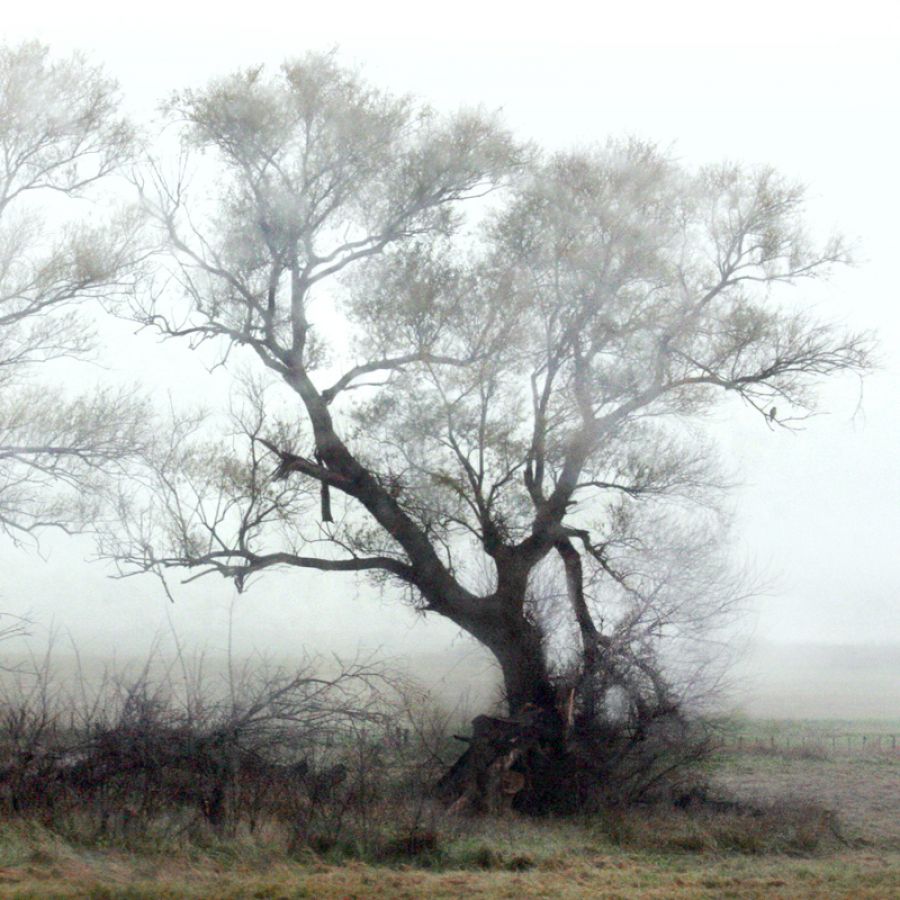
(61,138)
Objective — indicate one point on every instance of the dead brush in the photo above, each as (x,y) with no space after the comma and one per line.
(127,755)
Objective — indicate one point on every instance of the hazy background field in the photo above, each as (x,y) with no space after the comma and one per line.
(771,680)
(285,616)
(820,681)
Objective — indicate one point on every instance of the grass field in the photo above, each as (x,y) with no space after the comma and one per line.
(831,829)
(826,736)
(583,875)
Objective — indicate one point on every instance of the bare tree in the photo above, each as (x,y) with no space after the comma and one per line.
(471,352)
(61,137)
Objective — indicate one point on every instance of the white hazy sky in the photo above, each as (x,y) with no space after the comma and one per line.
(810,88)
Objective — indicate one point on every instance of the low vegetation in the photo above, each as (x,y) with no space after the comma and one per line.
(320,783)
(635,855)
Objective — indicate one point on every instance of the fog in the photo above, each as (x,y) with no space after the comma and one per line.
(817,512)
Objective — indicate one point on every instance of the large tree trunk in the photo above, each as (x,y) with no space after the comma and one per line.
(518,760)
(518,648)
(500,622)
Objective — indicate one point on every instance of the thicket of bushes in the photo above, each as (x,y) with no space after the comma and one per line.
(341,763)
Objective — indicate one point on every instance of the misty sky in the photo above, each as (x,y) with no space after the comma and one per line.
(818,513)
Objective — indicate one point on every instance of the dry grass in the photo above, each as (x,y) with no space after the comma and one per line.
(588,873)
(785,850)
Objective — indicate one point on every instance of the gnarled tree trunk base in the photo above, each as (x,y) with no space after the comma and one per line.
(539,762)
(519,762)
